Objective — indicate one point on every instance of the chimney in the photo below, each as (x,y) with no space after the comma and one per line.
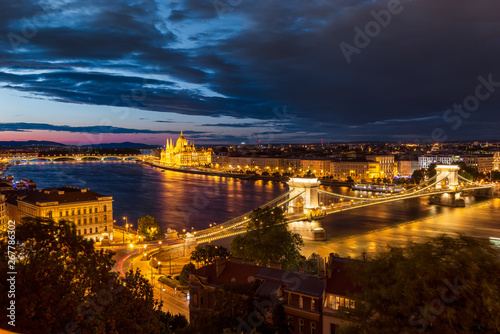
(329,265)
(220,265)
(322,267)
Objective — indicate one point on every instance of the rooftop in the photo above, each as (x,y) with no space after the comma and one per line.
(63,195)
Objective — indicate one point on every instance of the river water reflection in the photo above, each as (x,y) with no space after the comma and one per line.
(185,201)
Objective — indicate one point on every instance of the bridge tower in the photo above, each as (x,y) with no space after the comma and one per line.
(447,178)
(310,197)
(305,191)
(447,175)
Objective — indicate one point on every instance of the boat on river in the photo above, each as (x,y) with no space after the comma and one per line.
(377,187)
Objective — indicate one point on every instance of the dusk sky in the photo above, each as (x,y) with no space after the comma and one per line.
(232,71)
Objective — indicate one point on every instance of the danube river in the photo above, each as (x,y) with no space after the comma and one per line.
(185,201)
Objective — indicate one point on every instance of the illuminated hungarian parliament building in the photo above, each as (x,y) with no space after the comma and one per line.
(184,154)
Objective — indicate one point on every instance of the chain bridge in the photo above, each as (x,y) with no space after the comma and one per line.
(305,204)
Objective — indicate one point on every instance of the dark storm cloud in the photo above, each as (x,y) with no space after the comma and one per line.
(22,127)
(187,58)
(237,125)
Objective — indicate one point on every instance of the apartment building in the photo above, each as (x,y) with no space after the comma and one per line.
(387,167)
(405,168)
(3,214)
(91,212)
(319,167)
(270,164)
(484,163)
(358,170)
(311,303)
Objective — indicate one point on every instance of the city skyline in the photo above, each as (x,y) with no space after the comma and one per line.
(232,72)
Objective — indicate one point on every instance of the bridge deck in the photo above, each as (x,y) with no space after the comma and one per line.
(239,228)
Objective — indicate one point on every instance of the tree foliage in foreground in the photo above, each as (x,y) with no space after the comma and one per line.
(209,253)
(269,240)
(148,227)
(445,285)
(64,285)
(184,275)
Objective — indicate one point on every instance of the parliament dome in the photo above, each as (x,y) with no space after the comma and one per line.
(181,141)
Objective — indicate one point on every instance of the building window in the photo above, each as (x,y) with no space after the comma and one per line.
(105,218)
(78,231)
(84,221)
(79,221)
(105,208)
(105,229)
(301,326)
(290,321)
(201,300)
(72,212)
(60,214)
(50,214)
(313,302)
(90,230)
(84,231)
(79,212)
(313,328)
(90,220)
(301,302)
(289,298)
(84,211)
(97,230)
(96,219)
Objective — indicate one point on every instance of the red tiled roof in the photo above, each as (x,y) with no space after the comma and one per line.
(340,283)
(244,273)
(233,272)
(293,281)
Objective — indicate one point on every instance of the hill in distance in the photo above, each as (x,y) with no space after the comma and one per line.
(45,143)
(121,145)
(30,143)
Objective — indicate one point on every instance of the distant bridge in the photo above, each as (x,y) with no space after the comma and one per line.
(302,204)
(74,157)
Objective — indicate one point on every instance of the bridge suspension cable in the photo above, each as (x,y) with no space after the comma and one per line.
(465,179)
(245,218)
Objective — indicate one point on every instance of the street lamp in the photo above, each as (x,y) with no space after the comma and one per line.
(126,226)
(159,242)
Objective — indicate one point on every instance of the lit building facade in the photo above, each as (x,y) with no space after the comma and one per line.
(3,214)
(387,167)
(483,163)
(184,154)
(91,212)
(357,170)
(316,166)
(496,161)
(406,167)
